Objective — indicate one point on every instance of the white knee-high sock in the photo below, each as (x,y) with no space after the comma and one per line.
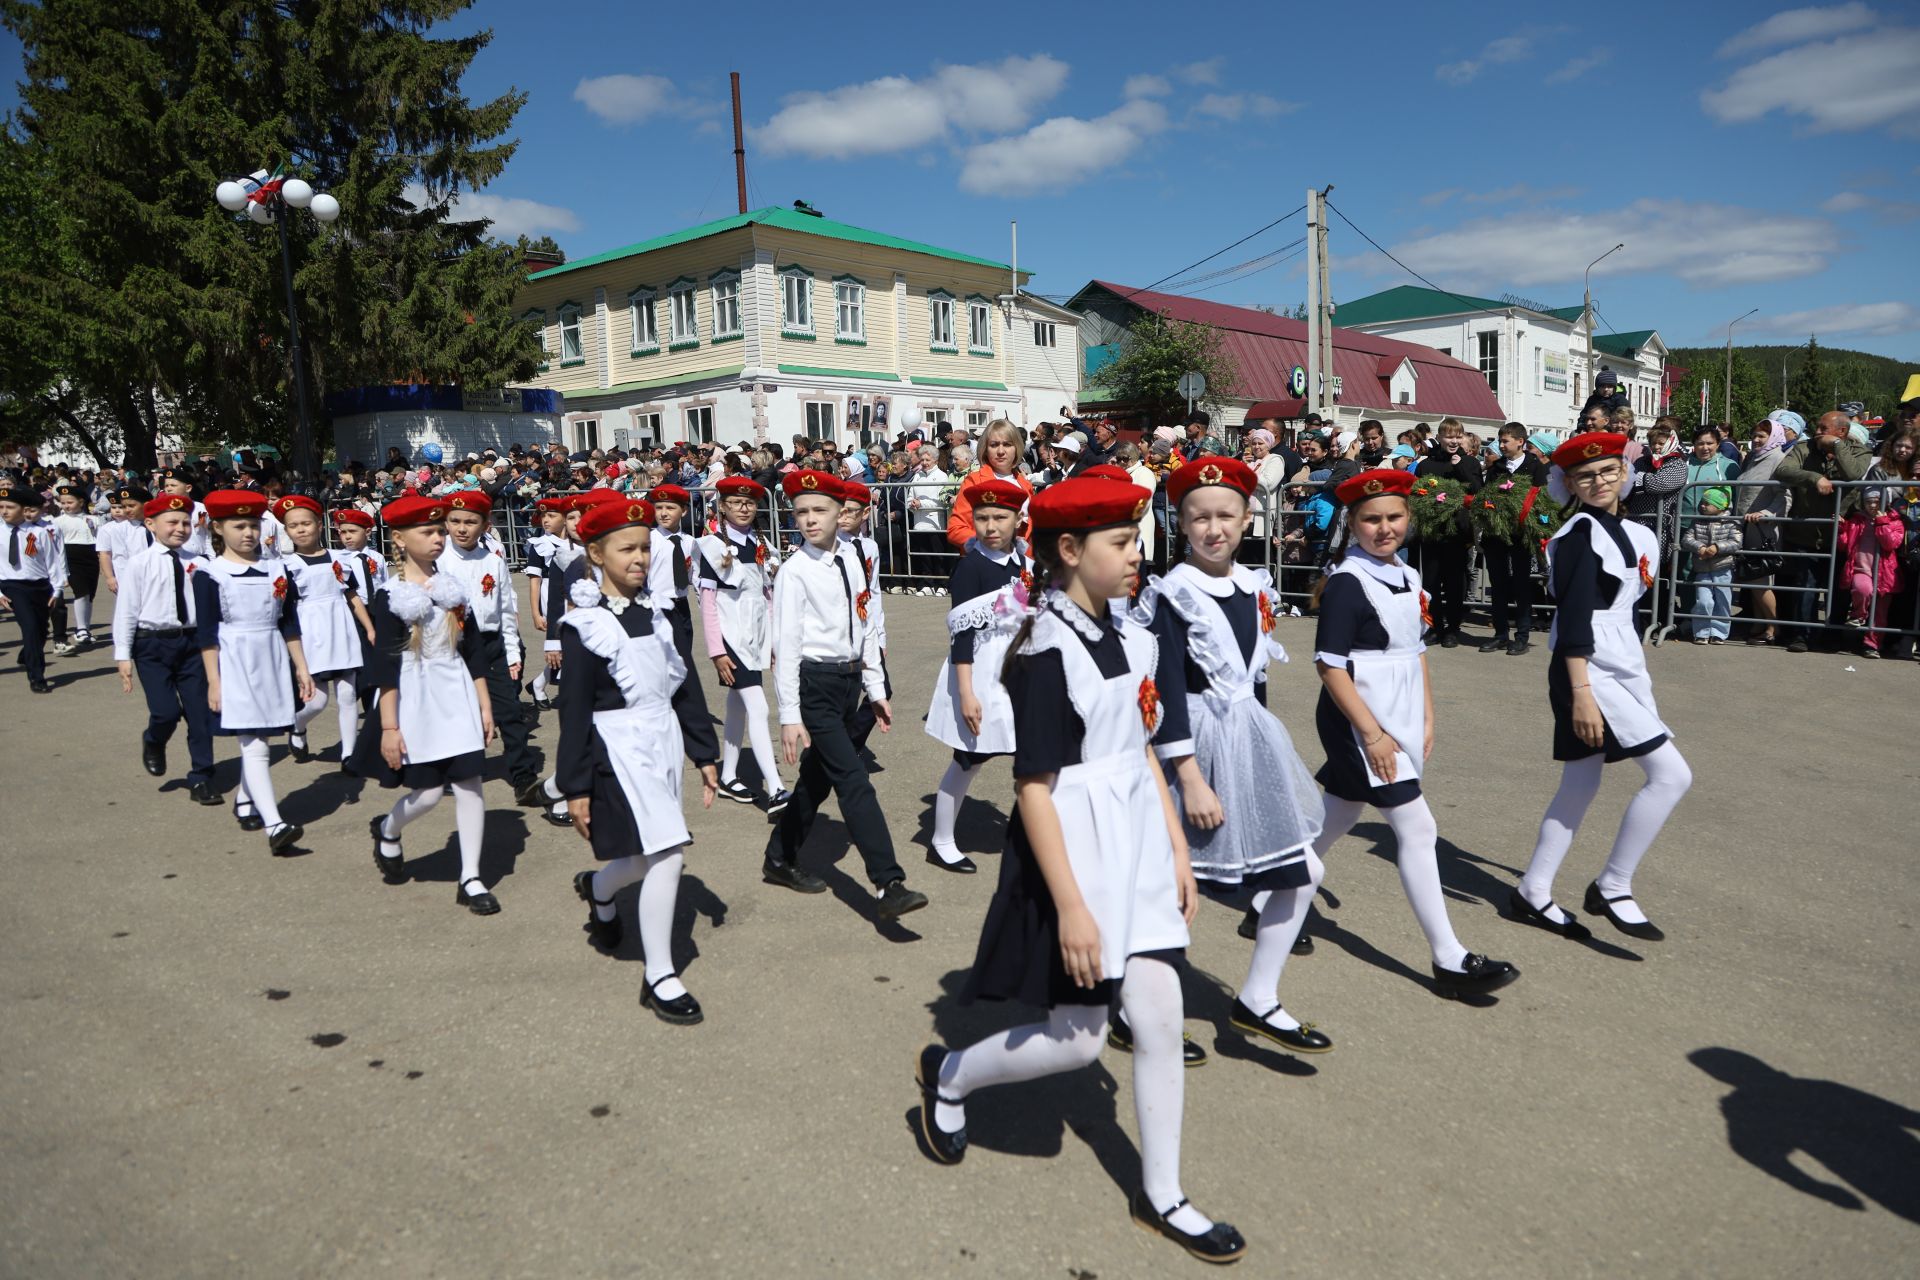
(309,711)
(1150,997)
(946,807)
(346,702)
(1668,778)
(470,819)
(730,735)
(1579,784)
(755,702)
(540,683)
(558,807)
(1069,1038)
(1415,836)
(1281,917)
(256,780)
(83,613)
(659,891)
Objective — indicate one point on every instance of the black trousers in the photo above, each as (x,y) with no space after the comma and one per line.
(864,719)
(1443,571)
(828,702)
(1510,574)
(32,601)
(509,716)
(174,679)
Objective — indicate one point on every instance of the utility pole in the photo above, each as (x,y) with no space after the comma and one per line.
(1325,395)
(1312,395)
(1726,401)
(739,145)
(1586,308)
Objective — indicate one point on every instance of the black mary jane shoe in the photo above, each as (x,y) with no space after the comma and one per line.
(1250,925)
(1219,1244)
(1477,976)
(558,819)
(792,876)
(248,821)
(1303,945)
(1306,1038)
(280,842)
(297,748)
(682,1011)
(203,793)
(481,903)
(1120,1036)
(947,1148)
(393,867)
(1601,905)
(1526,913)
(153,758)
(605,934)
(737,791)
(963,865)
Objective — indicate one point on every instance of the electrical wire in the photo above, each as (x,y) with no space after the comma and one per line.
(1172,275)
(1268,266)
(1260,263)
(1473,304)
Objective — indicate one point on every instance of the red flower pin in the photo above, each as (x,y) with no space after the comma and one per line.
(280,587)
(33,546)
(1426,617)
(1149,703)
(486,585)
(760,553)
(1267,618)
(860,604)
(1026,579)
(1646,573)
(340,573)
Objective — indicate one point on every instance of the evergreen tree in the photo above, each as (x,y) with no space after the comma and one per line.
(1810,392)
(1753,398)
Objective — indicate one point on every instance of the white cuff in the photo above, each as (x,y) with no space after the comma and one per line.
(1332,659)
(1173,750)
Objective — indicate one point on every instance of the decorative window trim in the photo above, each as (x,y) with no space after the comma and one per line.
(691,287)
(540,319)
(794,271)
(646,296)
(953,325)
(842,337)
(580,335)
(725,276)
(985,303)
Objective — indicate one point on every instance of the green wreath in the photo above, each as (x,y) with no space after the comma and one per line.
(1437,502)
(1511,510)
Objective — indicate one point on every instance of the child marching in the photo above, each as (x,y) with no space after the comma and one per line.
(673,573)
(334,625)
(124,536)
(970,711)
(247,613)
(435,718)
(542,550)
(155,636)
(368,569)
(565,566)
(1376,713)
(34,571)
(1095,892)
(78,529)
(857,503)
(1247,803)
(736,611)
(1598,567)
(621,739)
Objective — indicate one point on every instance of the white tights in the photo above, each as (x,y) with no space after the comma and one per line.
(347,708)
(946,807)
(659,876)
(1070,1038)
(1668,778)
(82,615)
(469,818)
(1282,914)
(1415,838)
(256,781)
(747,708)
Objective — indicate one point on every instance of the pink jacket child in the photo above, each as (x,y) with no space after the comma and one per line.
(1870,541)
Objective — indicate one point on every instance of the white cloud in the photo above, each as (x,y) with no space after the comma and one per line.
(1147,87)
(1580,66)
(1207,72)
(1848,317)
(1519,191)
(1706,245)
(1505,49)
(1883,210)
(896,113)
(1846,202)
(1061,152)
(1857,82)
(628,99)
(1796,26)
(511,216)
(1232,106)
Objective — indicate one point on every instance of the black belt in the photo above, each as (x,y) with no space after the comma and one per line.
(837,668)
(163,631)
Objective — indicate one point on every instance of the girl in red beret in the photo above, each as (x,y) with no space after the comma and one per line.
(333,624)
(1598,566)
(1376,712)
(1095,890)
(367,569)
(475,556)
(541,550)
(1249,806)
(434,713)
(247,612)
(737,564)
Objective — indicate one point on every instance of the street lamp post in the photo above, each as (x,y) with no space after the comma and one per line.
(1586,314)
(266,198)
(1726,405)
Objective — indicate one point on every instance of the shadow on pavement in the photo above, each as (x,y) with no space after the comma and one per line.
(1866,1141)
(979,829)
(852,891)
(695,900)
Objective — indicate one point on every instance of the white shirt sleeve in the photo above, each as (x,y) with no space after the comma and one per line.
(788,606)
(510,612)
(124,610)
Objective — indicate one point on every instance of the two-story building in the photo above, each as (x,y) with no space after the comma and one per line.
(780,322)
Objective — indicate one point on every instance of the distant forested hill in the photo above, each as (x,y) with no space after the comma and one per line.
(1840,374)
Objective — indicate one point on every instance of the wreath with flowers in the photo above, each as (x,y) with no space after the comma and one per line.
(1509,509)
(1437,503)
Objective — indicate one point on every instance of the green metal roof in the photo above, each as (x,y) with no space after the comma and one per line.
(786,220)
(1622,344)
(1569,314)
(1410,302)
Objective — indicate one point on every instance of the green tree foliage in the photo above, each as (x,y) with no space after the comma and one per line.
(1753,399)
(1810,392)
(1874,380)
(142,303)
(1156,351)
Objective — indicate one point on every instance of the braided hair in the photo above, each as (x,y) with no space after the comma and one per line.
(1046,565)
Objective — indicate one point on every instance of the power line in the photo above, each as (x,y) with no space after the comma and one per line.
(1473,304)
(1210,257)
(1259,263)
(1267,266)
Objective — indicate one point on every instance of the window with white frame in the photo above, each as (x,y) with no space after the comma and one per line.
(940,320)
(700,424)
(849,310)
(726,305)
(821,417)
(1490,359)
(796,302)
(538,319)
(686,324)
(1044,334)
(586,433)
(937,417)
(572,351)
(646,428)
(979,327)
(646,325)
(977,418)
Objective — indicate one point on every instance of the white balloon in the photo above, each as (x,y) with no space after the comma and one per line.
(259,213)
(231,195)
(296,192)
(325,207)
(911,417)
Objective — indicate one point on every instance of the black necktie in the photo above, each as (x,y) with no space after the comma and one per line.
(846,587)
(13,548)
(680,575)
(366,567)
(179,588)
(149,536)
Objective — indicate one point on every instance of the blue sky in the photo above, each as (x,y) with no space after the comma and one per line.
(1749,155)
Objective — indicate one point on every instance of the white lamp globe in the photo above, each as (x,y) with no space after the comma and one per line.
(325,207)
(259,213)
(296,192)
(911,418)
(231,195)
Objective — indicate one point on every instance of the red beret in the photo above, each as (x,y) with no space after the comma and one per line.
(280,506)
(855,491)
(353,515)
(800,483)
(1591,447)
(228,504)
(1107,471)
(1086,503)
(670,493)
(1210,469)
(470,500)
(997,494)
(413,510)
(1371,484)
(559,504)
(167,502)
(585,502)
(602,518)
(739,484)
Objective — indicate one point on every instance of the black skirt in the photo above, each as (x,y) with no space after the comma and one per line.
(1344,776)
(744,677)
(612,829)
(1566,742)
(367,762)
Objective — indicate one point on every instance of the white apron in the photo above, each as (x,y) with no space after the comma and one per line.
(642,739)
(256,672)
(1109,807)
(993,618)
(329,635)
(439,709)
(743,598)
(1617,669)
(1390,680)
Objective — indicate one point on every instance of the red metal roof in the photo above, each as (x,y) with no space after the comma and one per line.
(1265,348)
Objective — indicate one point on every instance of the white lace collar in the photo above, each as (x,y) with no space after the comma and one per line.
(998,557)
(1388,572)
(1218,588)
(1089,627)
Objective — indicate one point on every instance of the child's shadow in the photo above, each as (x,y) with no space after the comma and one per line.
(694,899)
(500,849)
(978,828)
(832,833)
(1208,999)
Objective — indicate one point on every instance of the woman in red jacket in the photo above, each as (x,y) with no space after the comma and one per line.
(1000,447)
